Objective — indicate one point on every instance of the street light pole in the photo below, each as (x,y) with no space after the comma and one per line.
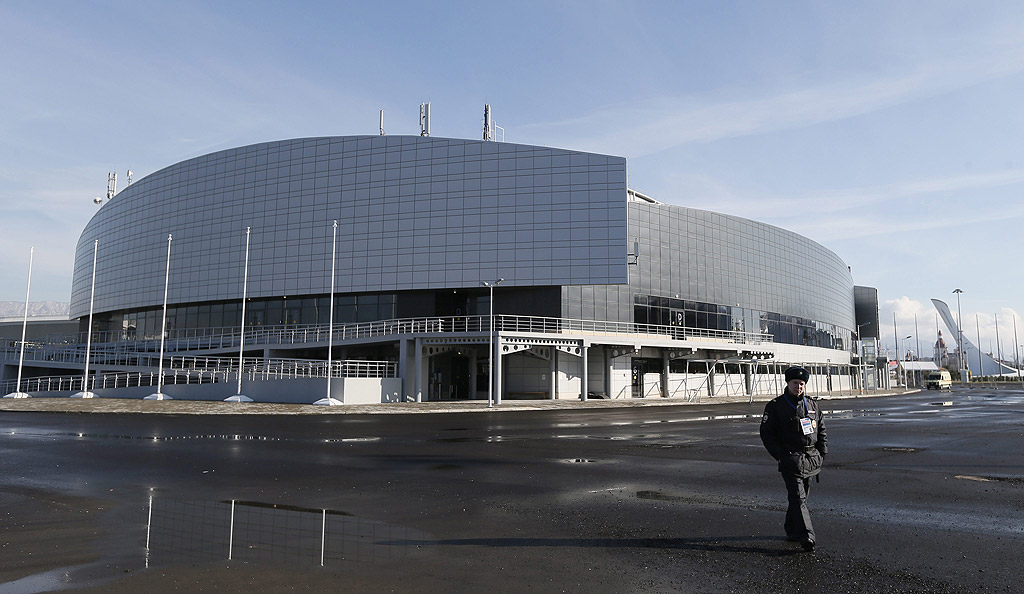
(905,384)
(490,341)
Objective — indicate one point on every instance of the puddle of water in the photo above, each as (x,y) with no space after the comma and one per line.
(577,461)
(259,532)
(76,576)
(1013,480)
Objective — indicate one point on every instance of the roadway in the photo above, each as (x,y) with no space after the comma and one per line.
(921,493)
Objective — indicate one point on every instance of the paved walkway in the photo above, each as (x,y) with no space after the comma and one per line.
(203,407)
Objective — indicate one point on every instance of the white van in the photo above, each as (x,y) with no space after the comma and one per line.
(938,380)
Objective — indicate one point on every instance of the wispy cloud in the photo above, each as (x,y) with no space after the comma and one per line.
(644,127)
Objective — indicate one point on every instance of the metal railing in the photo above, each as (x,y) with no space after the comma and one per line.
(118,348)
(273,369)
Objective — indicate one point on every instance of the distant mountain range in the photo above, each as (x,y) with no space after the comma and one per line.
(16,309)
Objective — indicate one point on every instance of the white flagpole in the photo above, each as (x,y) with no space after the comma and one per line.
(163,330)
(86,393)
(238,397)
(17,393)
(327,400)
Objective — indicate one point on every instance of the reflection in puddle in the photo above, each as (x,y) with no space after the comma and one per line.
(251,531)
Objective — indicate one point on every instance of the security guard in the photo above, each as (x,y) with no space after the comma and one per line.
(793,432)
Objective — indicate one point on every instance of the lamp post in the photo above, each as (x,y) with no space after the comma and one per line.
(490,341)
(905,360)
(960,339)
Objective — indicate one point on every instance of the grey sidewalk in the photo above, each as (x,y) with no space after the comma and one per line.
(203,407)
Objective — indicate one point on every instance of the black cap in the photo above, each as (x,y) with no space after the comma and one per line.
(797,373)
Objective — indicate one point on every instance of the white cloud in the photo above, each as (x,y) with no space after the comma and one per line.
(641,127)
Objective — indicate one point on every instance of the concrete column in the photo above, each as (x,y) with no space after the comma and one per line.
(553,383)
(498,368)
(664,373)
(583,373)
(609,370)
(418,372)
(403,369)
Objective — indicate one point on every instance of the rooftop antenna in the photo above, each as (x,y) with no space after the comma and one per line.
(382,122)
(425,119)
(490,126)
(487,122)
(111,185)
(129,177)
(634,257)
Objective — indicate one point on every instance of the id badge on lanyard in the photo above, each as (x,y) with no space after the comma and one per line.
(807,425)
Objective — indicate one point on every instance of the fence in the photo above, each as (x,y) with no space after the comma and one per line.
(273,369)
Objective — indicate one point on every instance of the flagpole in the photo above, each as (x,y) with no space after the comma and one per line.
(17,393)
(86,393)
(328,400)
(159,395)
(239,397)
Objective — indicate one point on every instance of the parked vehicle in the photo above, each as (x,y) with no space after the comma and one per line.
(938,380)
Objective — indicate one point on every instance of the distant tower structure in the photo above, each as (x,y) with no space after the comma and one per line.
(111,185)
(424,119)
(941,354)
(487,121)
(490,126)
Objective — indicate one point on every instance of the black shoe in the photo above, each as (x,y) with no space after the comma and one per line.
(808,545)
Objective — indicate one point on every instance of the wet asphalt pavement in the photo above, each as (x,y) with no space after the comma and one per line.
(920,493)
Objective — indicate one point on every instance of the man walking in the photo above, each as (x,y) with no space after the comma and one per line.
(793,432)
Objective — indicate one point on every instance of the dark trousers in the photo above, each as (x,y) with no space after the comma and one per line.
(798,517)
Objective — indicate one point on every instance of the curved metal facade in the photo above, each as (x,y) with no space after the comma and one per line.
(420,213)
(413,213)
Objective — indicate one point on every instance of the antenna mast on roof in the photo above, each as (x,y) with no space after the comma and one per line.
(382,122)
(111,185)
(490,126)
(425,119)
(129,177)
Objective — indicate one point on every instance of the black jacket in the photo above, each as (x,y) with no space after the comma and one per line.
(783,437)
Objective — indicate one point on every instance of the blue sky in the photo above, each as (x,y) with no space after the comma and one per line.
(888,131)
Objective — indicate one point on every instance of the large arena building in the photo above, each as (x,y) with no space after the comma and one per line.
(598,291)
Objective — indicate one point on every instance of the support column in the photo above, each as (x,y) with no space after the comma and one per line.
(664,373)
(609,371)
(418,383)
(583,373)
(553,383)
(498,368)
(403,369)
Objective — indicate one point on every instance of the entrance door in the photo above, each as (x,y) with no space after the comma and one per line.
(640,367)
(459,378)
